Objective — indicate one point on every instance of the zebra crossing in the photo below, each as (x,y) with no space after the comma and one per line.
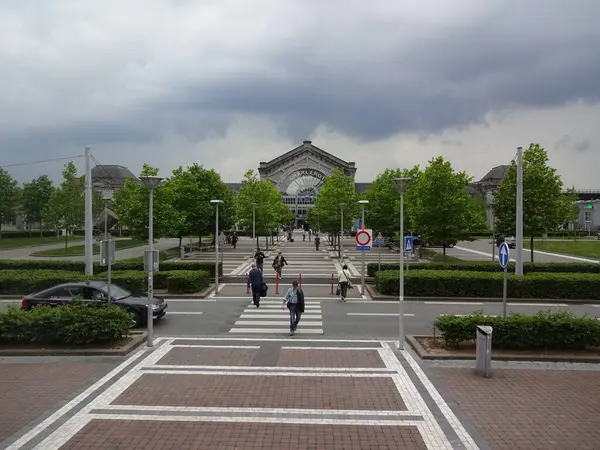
(271,319)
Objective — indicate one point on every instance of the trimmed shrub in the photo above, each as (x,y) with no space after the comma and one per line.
(79,266)
(489,266)
(73,324)
(23,282)
(546,330)
(446,283)
(134,281)
(187,281)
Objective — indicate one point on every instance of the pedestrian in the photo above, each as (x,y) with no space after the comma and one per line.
(303,235)
(309,234)
(259,258)
(343,283)
(255,278)
(317,242)
(278,263)
(234,240)
(294,301)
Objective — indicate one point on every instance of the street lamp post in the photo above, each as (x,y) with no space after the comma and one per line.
(151,182)
(217,203)
(107,196)
(401,183)
(341,231)
(362,278)
(254,205)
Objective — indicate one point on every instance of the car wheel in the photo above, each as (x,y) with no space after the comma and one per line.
(136,319)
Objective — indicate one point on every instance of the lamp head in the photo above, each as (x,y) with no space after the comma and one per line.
(402,183)
(216,202)
(150,181)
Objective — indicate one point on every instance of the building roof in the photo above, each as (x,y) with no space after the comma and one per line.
(306,146)
(111,172)
(497,173)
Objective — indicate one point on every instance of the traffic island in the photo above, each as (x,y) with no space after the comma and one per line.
(433,348)
(121,348)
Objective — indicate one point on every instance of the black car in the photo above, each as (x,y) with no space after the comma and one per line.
(97,292)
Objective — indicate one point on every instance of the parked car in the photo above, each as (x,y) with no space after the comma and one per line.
(96,293)
(446,244)
(510,241)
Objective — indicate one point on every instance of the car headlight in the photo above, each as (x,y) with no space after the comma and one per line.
(155,306)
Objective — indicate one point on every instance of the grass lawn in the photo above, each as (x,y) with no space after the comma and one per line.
(586,249)
(10,243)
(79,250)
(437,256)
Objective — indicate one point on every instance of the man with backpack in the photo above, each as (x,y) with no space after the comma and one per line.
(343,283)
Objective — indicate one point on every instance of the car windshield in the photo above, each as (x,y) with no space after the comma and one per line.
(117,292)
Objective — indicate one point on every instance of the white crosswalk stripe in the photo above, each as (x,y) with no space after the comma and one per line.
(269,318)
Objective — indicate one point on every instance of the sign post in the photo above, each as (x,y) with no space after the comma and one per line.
(364,242)
(503,258)
(379,241)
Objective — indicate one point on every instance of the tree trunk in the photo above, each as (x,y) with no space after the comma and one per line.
(444,250)
(30,231)
(531,246)
(267,242)
(180,239)
(66,237)
(340,245)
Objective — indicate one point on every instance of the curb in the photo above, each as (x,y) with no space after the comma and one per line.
(425,355)
(375,296)
(138,338)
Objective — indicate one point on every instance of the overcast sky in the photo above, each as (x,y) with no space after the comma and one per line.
(229,83)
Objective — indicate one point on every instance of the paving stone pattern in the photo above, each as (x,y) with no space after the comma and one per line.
(291,357)
(529,409)
(209,356)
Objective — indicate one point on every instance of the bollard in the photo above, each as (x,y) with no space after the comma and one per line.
(331,291)
(300,279)
(277,282)
(247,284)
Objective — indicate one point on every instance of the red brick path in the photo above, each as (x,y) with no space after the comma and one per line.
(529,409)
(134,435)
(329,358)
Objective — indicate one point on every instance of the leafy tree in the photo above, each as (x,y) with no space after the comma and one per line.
(442,208)
(383,213)
(544,205)
(9,195)
(192,189)
(131,204)
(66,206)
(271,211)
(35,196)
(337,188)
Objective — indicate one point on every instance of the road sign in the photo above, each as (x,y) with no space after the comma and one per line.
(379,239)
(503,254)
(408,243)
(364,239)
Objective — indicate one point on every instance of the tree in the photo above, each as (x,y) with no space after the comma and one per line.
(337,188)
(442,209)
(66,205)
(383,213)
(544,205)
(192,189)
(9,198)
(131,204)
(271,212)
(34,198)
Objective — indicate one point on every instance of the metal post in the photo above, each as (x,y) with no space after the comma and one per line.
(401,299)
(519,224)
(254,226)
(504,291)
(150,325)
(89,221)
(342,232)
(217,251)
(362,276)
(109,270)
(379,257)
(493,238)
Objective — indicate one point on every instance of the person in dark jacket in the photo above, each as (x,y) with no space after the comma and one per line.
(294,300)
(259,258)
(278,263)
(255,278)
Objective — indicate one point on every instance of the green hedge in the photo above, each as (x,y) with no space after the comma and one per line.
(79,266)
(440,283)
(547,330)
(20,234)
(23,282)
(74,324)
(485,266)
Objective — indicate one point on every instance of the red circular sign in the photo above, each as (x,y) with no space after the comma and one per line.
(363,238)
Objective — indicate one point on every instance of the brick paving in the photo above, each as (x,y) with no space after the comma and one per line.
(209,356)
(29,390)
(529,409)
(330,358)
(294,392)
(134,435)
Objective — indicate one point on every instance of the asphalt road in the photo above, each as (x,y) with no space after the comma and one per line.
(481,250)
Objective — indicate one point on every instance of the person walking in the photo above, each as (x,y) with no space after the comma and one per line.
(259,258)
(317,242)
(278,263)
(234,240)
(343,282)
(294,301)
(255,278)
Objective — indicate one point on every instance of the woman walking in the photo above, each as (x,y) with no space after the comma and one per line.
(294,300)
(278,263)
(343,282)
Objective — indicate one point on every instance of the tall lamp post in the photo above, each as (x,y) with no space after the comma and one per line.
(341,231)
(401,183)
(254,205)
(107,195)
(151,182)
(217,203)
(362,225)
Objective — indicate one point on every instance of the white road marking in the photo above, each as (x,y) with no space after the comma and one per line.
(453,303)
(186,313)
(544,305)
(307,316)
(476,252)
(268,323)
(300,330)
(379,314)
